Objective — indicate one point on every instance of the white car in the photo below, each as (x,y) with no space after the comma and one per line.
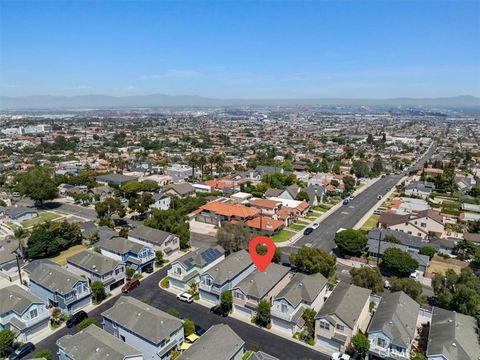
(387,284)
(315,225)
(185,297)
(339,356)
(414,275)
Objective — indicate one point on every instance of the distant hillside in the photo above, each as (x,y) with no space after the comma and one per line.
(160,100)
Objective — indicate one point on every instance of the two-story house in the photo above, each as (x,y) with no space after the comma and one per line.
(134,255)
(98,267)
(189,267)
(344,314)
(225,275)
(424,224)
(302,292)
(393,327)
(93,343)
(161,201)
(422,189)
(219,342)
(155,333)
(452,336)
(60,288)
(259,286)
(158,240)
(22,312)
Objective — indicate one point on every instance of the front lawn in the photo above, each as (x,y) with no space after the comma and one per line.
(62,258)
(282,236)
(43,215)
(297,226)
(371,222)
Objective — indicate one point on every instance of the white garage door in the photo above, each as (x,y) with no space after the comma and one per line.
(209,297)
(282,325)
(328,343)
(242,311)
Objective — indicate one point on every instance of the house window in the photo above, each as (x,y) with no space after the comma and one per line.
(284,308)
(381,342)
(324,325)
(122,338)
(178,271)
(340,327)
(424,225)
(208,282)
(239,295)
(33,313)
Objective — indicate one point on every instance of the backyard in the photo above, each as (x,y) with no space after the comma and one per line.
(61,259)
(43,215)
(439,265)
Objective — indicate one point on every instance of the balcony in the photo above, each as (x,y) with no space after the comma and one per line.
(391,353)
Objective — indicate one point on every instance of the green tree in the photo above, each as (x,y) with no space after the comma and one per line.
(98,291)
(360,168)
(37,183)
(7,337)
(263,316)
(351,242)
(44,354)
(87,322)
(377,166)
(188,327)
(129,272)
(428,251)
(391,239)
(349,183)
(173,312)
(408,286)
(233,237)
(159,260)
(309,317)
(312,260)
(417,356)
(370,139)
(226,300)
(398,262)
(277,257)
(360,345)
(302,196)
(109,207)
(368,278)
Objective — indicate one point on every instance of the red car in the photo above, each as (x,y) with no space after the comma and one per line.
(129,286)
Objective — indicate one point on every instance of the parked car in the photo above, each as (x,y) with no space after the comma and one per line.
(433,301)
(219,310)
(378,212)
(345,202)
(414,275)
(76,318)
(199,330)
(185,297)
(315,225)
(307,231)
(379,197)
(387,284)
(22,351)
(129,286)
(340,356)
(148,269)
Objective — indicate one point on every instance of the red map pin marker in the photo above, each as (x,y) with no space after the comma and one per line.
(261,261)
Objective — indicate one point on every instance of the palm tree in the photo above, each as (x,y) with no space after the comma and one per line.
(20,234)
(193,161)
(220,161)
(202,161)
(211,160)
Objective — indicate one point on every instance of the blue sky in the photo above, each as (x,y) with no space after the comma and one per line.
(241,49)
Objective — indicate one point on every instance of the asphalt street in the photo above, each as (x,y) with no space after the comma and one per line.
(348,215)
(76,210)
(255,338)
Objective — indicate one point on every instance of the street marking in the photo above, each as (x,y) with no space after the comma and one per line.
(344,212)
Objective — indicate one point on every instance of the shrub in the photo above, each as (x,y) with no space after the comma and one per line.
(87,322)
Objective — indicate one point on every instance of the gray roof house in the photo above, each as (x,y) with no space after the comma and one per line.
(453,336)
(393,327)
(60,287)
(258,286)
(18,214)
(420,188)
(187,269)
(98,267)
(181,190)
(303,291)
(225,275)
(22,312)
(116,179)
(220,342)
(345,312)
(155,333)
(157,239)
(8,259)
(93,343)
(260,355)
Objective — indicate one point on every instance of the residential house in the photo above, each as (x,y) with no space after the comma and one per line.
(216,212)
(225,275)
(93,343)
(414,243)
(98,267)
(302,292)
(17,214)
(155,333)
(259,286)
(102,192)
(260,355)
(59,287)
(8,258)
(300,208)
(116,179)
(267,207)
(158,240)
(425,224)
(376,248)
(162,201)
(422,189)
(22,312)
(393,327)
(220,342)
(179,173)
(182,190)
(264,225)
(452,336)
(134,255)
(189,267)
(344,314)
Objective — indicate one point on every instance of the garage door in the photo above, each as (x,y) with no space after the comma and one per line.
(242,311)
(328,343)
(209,297)
(282,325)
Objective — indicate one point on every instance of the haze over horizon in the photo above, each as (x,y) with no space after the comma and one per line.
(356,50)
